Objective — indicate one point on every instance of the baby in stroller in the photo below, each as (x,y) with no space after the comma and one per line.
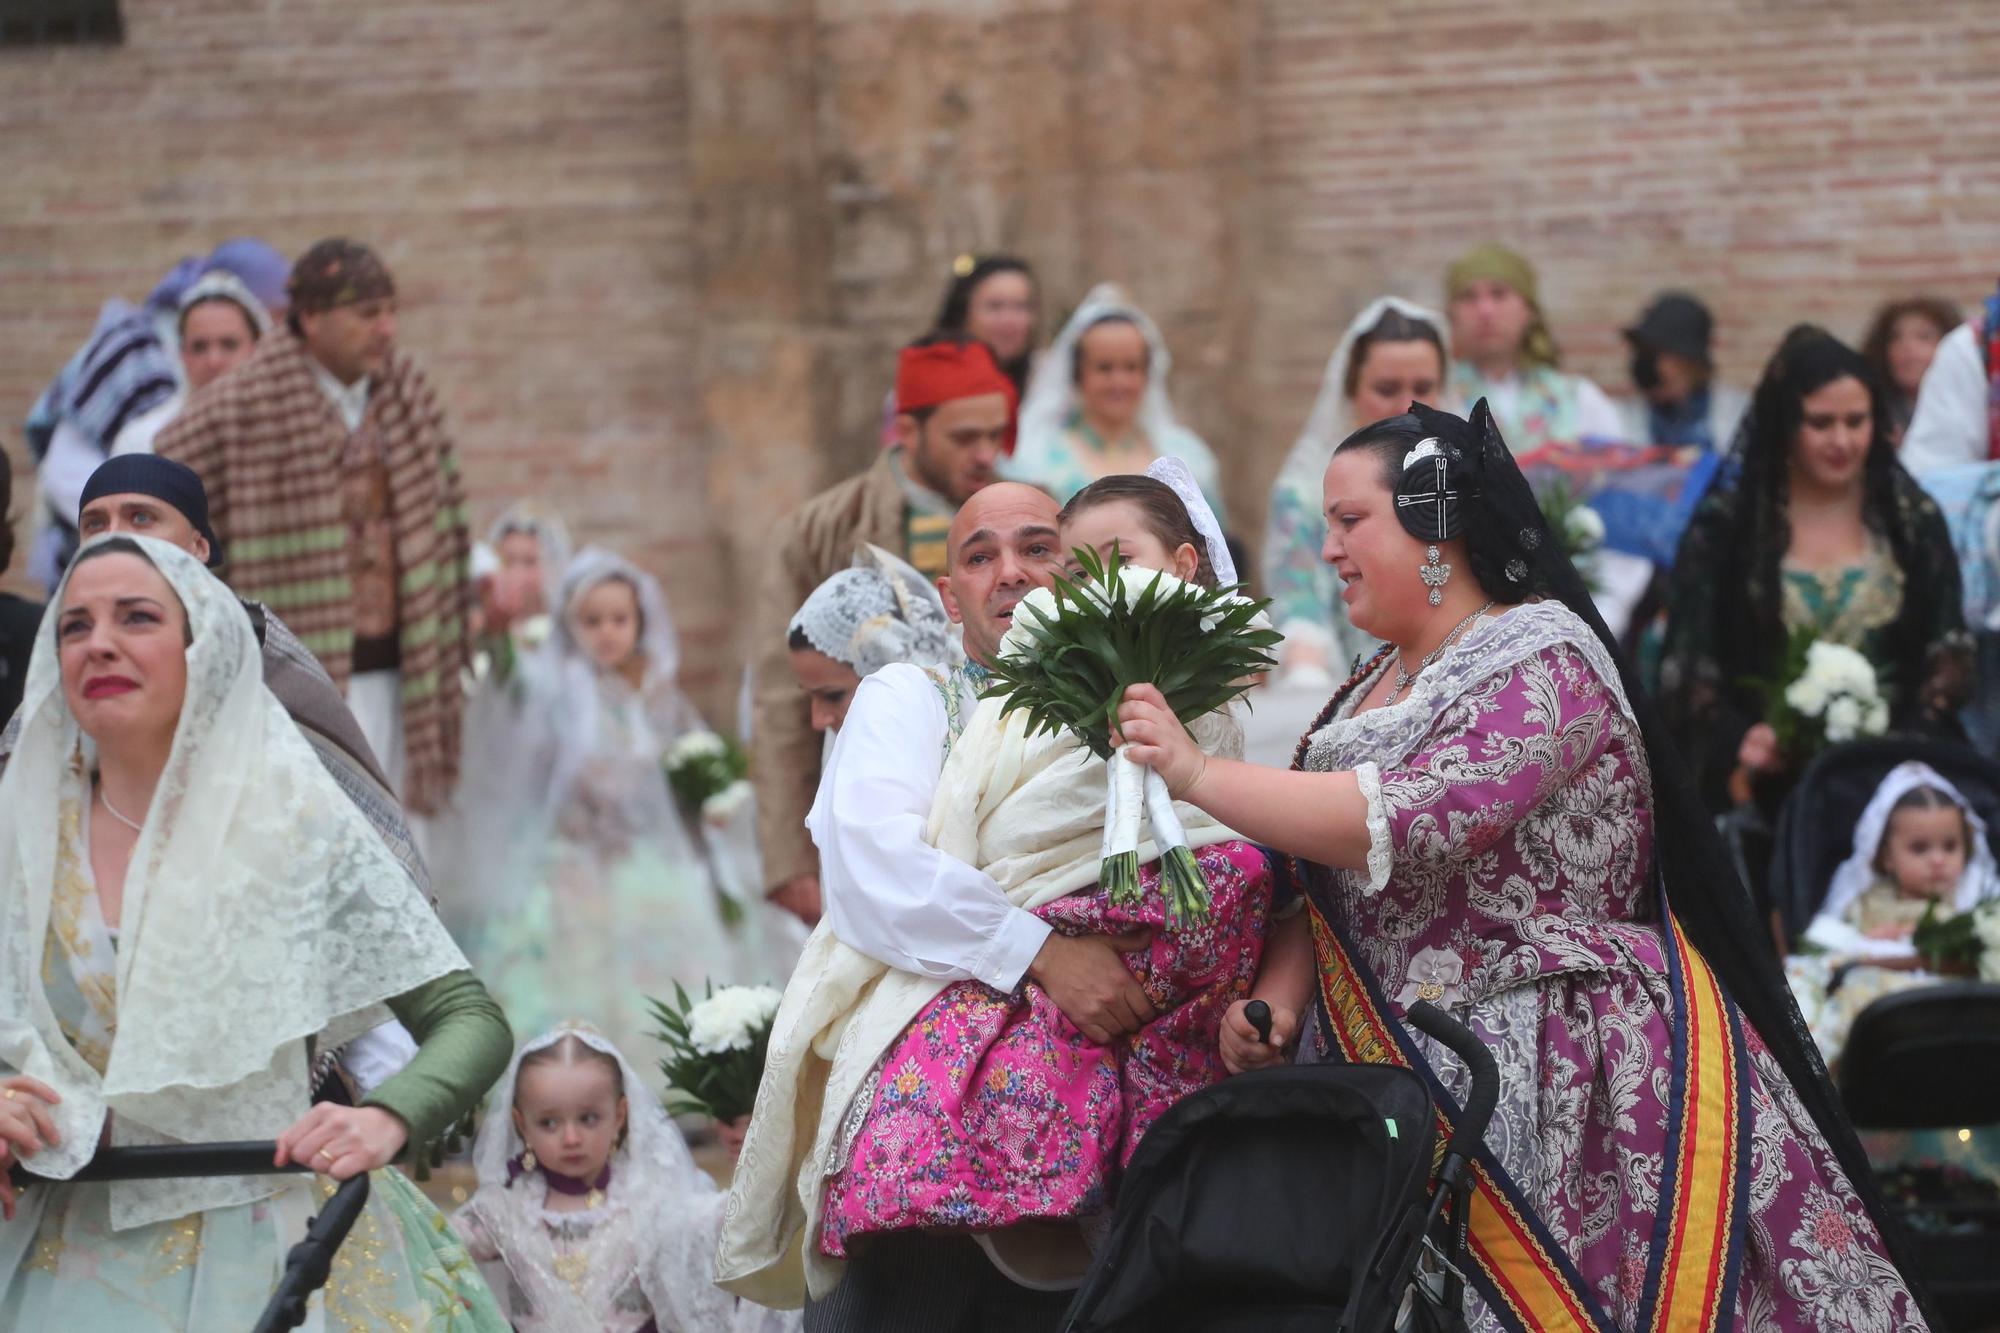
(1919,848)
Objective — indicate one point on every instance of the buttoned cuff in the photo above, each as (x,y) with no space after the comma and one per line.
(1006,960)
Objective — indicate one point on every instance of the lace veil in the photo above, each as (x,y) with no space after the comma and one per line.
(881,610)
(1174,474)
(261,911)
(1052,396)
(658,1223)
(1857,872)
(551,536)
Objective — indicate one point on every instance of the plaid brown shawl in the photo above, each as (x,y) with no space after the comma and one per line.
(267,444)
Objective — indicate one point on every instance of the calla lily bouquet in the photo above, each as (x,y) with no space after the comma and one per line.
(1075,647)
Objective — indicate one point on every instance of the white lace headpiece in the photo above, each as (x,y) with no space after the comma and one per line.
(879,611)
(1857,872)
(658,1223)
(1175,474)
(261,910)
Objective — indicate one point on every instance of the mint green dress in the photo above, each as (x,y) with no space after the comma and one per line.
(401,1268)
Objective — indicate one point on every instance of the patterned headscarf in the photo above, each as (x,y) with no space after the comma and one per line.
(1496,263)
(338,272)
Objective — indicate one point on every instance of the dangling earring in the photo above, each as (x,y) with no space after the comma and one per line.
(1435,573)
(528,1159)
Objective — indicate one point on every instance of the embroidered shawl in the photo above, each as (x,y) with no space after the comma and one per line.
(268,444)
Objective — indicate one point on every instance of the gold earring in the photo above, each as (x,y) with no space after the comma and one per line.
(528,1159)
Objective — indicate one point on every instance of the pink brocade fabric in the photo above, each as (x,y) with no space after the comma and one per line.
(993,1109)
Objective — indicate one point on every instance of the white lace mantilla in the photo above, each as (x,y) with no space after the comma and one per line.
(261,910)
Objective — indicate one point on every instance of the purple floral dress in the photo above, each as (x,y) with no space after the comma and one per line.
(1510,815)
(993,1109)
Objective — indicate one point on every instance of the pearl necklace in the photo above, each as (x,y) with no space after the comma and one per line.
(116,814)
(1404,676)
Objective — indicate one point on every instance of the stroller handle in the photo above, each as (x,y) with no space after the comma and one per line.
(1462,1042)
(170,1161)
(307,1264)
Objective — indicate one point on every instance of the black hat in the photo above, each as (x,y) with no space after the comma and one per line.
(1675,322)
(171,483)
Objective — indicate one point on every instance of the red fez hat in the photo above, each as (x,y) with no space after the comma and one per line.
(938,372)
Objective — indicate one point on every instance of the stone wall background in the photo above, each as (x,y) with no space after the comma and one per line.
(659,255)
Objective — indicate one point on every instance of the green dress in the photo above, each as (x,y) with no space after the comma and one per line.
(400,1268)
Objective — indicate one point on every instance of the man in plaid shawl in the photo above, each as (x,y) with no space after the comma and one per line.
(334,488)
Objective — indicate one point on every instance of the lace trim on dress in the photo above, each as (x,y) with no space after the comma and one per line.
(1381,852)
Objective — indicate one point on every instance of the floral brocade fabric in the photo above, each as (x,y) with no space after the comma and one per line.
(1513,794)
(994,1109)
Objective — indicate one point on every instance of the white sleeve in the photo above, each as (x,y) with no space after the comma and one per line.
(378,1055)
(886,891)
(1949,425)
(1597,417)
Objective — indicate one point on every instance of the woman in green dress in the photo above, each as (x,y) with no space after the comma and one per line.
(1814,527)
(189,910)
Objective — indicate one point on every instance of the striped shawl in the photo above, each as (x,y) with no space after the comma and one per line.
(268,444)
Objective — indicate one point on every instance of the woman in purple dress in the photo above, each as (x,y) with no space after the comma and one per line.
(1485,817)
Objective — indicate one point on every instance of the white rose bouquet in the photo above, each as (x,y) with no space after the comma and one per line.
(709,774)
(715,1048)
(1071,652)
(1828,694)
(1578,529)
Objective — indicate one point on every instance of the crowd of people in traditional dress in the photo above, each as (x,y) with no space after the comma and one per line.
(325,816)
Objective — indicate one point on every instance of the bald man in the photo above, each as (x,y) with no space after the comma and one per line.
(892,896)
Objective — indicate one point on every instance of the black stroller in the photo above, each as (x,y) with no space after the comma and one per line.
(1207,1234)
(1924,1059)
(310,1260)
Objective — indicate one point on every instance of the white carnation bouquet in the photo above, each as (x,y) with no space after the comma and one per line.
(715,1047)
(1578,528)
(1067,660)
(1828,694)
(709,774)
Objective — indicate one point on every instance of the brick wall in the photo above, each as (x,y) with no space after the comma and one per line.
(659,255)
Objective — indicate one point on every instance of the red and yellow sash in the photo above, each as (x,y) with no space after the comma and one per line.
(1525,1274)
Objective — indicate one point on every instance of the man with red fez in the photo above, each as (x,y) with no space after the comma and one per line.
(333,487)
(955,411)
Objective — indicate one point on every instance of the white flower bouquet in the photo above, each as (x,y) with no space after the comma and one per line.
(1578,529)
(1961,944)
(709,774)
(1067,660)
(715,1048)
(1828,694)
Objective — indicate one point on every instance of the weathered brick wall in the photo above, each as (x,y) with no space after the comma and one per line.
(659,255)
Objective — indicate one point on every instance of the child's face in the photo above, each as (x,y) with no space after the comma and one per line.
(570,1115)
(1121,524)
(1924,852)
(519,551)
(606,620)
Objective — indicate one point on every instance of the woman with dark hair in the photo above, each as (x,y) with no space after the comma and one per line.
(1817,529)
(994,299)
(18,615)
(1488,817)
(1900,344)
(1393,354)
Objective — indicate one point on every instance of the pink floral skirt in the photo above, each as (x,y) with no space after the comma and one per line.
(993,1109)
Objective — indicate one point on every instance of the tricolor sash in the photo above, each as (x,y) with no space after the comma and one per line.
(1527,1278)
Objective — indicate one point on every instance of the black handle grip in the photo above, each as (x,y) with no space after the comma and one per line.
(1464,1043)
(169,1161)
(1259,1015)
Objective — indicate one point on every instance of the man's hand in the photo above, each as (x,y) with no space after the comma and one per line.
(1087,978)
(799,895)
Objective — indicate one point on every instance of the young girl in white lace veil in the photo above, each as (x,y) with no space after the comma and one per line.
(877,611)
(607,894)
(590,1203)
